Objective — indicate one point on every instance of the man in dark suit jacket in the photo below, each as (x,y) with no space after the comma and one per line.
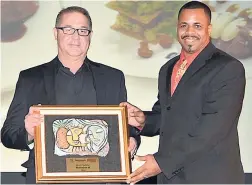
(70,78)
(196,115)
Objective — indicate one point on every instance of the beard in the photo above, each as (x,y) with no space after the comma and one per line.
(190,49)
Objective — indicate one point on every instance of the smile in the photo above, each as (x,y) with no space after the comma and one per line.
(190,39)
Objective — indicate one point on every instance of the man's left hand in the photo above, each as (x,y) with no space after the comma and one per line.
(148,169)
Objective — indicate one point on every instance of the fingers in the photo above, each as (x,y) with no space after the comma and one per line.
(148,169)
(138,116)
(140,158)
(132,110)
(33,119)
(138,178)
(137,175)
(140,169)
(129,106)
(132,144)
(137,113)
(34,110)
(140,173)
(123,104)
(31,122)
(137,172)
(126,104)
(34,116)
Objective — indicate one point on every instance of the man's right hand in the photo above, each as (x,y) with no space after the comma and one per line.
(136,116)
(32,119)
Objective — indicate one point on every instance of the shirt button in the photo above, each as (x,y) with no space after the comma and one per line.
(168,107)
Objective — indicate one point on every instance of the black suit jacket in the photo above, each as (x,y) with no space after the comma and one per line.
(198,125)
(37,86)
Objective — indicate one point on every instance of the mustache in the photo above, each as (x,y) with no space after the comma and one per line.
(192,36)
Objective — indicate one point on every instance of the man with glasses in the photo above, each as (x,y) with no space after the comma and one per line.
(69,79)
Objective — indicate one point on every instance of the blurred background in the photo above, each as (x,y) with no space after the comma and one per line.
(137,37)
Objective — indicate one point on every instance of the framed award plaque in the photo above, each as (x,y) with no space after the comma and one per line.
(82,144)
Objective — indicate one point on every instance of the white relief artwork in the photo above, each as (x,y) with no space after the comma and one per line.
(81,137)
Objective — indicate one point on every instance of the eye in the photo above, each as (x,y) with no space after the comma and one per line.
(197,26)
(84,31)
(182,26)
(68,29)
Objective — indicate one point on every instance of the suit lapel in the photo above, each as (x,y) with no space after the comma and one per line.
(169,74)
(165,81)
(49,81)
(99,81)
(196,65)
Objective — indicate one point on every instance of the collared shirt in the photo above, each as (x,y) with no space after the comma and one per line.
(183,62)
(75,89)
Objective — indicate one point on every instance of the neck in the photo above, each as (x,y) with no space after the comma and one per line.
(73,63)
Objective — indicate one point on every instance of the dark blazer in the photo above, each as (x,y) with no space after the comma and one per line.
(198,125)
(37,86)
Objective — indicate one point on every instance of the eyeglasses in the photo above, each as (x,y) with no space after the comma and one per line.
(71,31)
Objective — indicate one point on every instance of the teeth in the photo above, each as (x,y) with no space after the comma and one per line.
(220,22)
(190,40)
(232,29)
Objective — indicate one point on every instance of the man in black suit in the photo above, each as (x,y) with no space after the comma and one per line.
(200,97)
(70,78)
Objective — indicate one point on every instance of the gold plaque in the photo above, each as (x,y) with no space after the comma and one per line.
(77,139)
(89,164)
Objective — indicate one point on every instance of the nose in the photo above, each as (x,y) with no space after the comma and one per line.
(190,29)
(75,35)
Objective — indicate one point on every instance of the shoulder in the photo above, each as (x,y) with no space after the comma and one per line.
(105,69)
(36,71)
(227,62)
(168,64)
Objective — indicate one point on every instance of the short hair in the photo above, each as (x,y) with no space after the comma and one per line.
(196,5)
(72,9)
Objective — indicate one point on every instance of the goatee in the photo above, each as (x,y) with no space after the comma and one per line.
(190,48)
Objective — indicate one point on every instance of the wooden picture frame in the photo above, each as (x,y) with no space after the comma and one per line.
(82,144)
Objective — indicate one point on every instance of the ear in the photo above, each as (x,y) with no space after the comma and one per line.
(210,29)
(55,31)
